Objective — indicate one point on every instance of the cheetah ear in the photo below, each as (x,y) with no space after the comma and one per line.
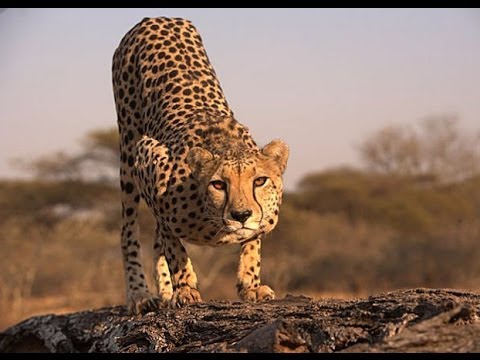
(199,160)
(277,151)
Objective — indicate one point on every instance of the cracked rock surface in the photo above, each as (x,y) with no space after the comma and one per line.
(414,320)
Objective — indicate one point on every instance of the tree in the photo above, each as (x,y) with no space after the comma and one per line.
(437,147)
(98,160)
(449,152)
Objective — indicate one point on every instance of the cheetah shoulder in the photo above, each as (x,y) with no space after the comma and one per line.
(152,165)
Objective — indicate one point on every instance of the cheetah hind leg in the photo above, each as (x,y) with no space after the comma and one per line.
(184,279)
(163,281)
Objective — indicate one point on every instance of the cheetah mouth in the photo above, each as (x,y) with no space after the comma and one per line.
(244,231)
(252,237)
(238,235)
(246,234)
(230,229)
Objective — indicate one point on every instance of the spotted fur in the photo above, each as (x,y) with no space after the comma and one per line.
(197,168)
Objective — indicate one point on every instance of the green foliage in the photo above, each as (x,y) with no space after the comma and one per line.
(346,230)
(405,203)
(29,198)
(106,140)
(98,159)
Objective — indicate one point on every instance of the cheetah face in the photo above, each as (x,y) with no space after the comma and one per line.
(242,191)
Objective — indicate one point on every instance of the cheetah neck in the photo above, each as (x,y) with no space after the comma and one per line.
(223,134)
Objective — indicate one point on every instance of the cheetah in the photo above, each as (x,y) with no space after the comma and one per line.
(199,171)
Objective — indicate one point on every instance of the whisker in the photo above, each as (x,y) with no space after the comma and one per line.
(219,231)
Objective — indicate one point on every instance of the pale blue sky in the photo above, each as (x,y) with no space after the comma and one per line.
(321,79)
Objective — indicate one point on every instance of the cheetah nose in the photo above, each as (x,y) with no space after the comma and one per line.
(241,216)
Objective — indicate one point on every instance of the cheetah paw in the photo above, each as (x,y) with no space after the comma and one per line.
(185,295)
(142,303)
(261,293)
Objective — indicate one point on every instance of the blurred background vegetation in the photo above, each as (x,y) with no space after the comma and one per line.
(407,216)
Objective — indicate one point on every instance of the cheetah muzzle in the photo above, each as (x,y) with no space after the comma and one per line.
(198,169)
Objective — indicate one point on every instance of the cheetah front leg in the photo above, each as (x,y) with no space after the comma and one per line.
(139,298)
(161,272)
(150,166)
(184,279)
(249,287)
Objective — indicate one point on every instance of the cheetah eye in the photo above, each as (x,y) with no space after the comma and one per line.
(260,181)
(218,184)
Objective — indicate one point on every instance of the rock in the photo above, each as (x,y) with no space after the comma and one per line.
(424,320)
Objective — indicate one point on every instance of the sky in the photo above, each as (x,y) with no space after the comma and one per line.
(320,79)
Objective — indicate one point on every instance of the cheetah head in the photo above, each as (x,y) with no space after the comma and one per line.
(242,190)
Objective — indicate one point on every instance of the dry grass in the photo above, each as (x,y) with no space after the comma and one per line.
(59,264)
(75,264)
